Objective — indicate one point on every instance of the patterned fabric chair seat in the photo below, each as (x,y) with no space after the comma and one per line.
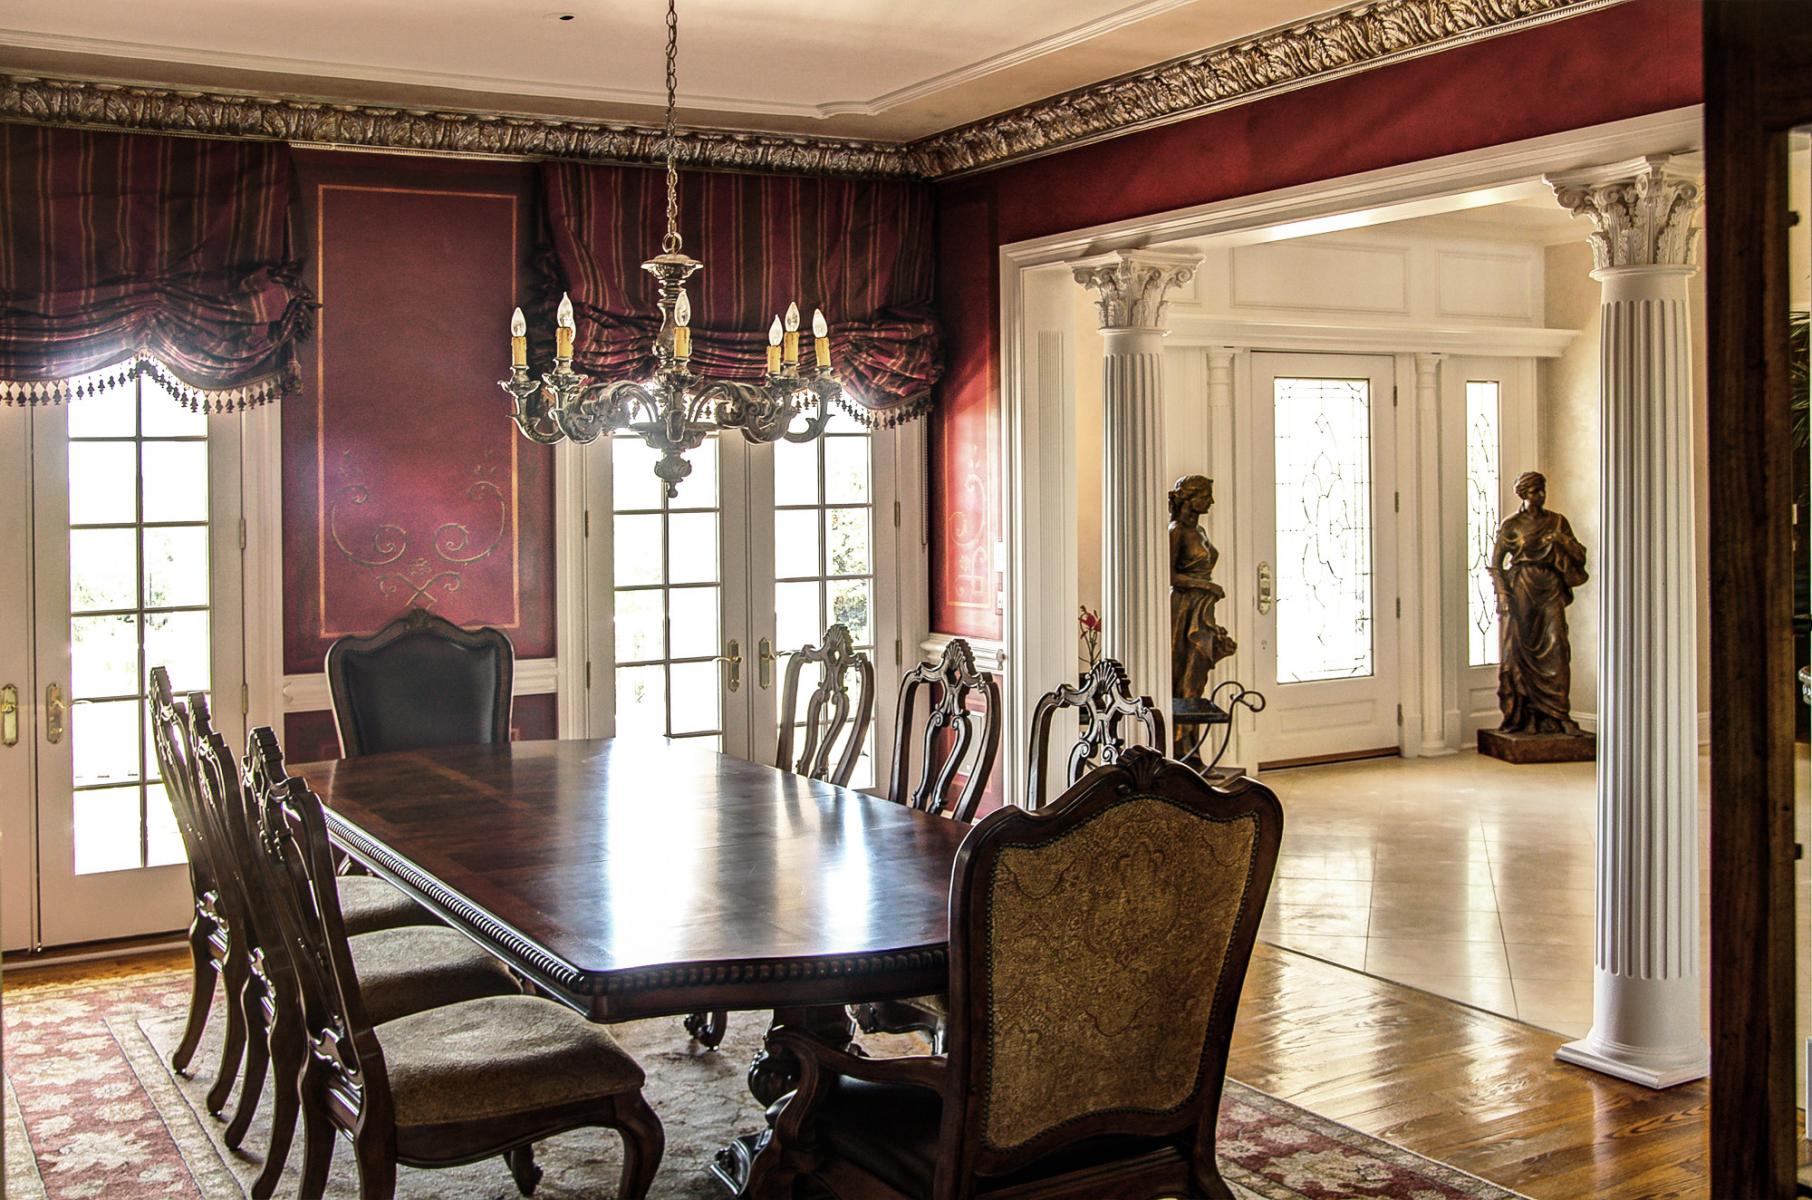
(417,967)
(372,903)
(491,1059)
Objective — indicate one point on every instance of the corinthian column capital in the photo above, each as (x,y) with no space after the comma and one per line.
(1131,291)
(1643,211)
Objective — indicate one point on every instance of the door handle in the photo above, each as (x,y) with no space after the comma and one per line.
(55,709)
(9,715)
(765,659)
(733,655)
(1266,590)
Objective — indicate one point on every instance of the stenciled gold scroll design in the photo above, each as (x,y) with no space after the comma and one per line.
(422,581)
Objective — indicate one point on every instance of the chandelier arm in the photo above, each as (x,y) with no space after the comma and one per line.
(828,392)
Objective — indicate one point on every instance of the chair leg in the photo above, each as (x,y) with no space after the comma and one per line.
(257,1059)
(708,1029)
(521,1162)
(233,975)
(289,1058)
(377,1166)
(644,1141)
(317,1136)
(201,994)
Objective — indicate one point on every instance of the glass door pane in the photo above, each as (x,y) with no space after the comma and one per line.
(824,566)
(128,506)
(1324,528)
(668,593)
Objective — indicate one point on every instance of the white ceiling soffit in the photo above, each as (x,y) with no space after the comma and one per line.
(853,68)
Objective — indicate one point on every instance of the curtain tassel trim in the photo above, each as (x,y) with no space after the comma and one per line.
(31,393)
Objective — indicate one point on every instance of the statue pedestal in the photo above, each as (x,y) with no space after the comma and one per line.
(1538,747)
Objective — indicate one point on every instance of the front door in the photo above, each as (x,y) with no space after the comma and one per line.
(132,556)
(1323,466)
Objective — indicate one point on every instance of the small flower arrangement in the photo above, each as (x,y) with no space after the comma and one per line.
(1088,628)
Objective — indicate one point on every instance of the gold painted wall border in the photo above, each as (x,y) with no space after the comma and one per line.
(1341,43)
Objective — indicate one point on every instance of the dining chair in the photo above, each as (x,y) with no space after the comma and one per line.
(1106,702)
(418,682)
(831,717)
(1097,952)
(219,945)
(406,968)
(442,1087)
(950,779)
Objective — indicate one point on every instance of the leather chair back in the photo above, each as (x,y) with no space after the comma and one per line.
(421,681)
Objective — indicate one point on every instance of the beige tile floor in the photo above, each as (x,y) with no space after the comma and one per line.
(1462,875)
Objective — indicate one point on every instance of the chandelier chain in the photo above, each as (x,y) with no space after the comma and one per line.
(670,241)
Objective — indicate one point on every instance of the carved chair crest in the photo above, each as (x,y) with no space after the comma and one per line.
(952,730)
(828,710)
(1105,698)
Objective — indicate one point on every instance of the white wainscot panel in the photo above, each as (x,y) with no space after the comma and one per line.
(1486,285)
(1306,275)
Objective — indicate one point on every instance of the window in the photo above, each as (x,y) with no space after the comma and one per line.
(138,598)
(1483,487)
(1324,529)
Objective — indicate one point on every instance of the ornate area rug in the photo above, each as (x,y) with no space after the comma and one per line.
(93,1110)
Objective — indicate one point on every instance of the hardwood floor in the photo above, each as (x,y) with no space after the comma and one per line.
(1463,1086)
(1457,1084)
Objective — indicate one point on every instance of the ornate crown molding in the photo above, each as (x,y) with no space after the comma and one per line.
(1643,212)
(1132,290)
(447,131)
(1340,43)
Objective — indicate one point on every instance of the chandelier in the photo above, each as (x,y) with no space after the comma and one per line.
(674,410)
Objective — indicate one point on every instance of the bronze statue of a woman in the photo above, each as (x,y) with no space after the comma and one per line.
(1197,640)
(1536,563)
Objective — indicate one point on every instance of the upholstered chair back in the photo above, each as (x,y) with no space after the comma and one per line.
(420,681)
(833,717)
(1098,948)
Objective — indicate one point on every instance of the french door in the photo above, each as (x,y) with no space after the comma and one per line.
(1323,468)
(129,559)
(707,593)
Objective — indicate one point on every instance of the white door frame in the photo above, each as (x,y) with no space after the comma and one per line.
(1040,553)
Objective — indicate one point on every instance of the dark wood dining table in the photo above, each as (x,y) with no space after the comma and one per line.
(636,878)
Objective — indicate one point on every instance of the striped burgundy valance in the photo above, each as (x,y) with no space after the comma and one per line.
(860,250)
(134,254)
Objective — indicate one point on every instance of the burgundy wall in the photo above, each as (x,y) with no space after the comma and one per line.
(404,483)
(1621,62)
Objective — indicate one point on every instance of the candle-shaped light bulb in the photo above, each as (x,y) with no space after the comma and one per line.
(774,347)
(791,341)
(682,326)
(564,325)
(821,337)
(518,339)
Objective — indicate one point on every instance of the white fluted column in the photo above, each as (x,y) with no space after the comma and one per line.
(1135,514)
(1646,1019)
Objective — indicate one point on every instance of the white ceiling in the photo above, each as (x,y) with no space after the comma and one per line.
(882,68)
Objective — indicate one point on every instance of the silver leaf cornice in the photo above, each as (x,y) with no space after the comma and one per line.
(1328,47)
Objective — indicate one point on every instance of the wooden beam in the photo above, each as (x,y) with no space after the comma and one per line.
(1753,48)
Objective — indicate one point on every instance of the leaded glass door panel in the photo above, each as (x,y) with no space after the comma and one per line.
(1323,466)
